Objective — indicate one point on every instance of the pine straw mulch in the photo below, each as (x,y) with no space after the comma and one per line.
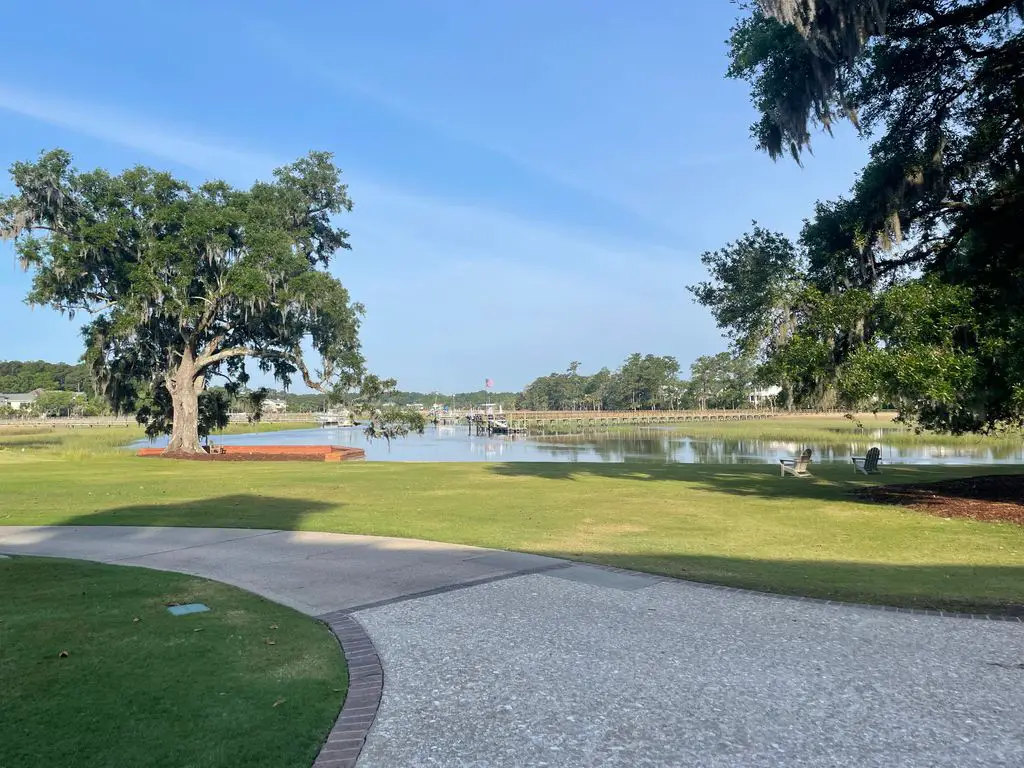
(990,498)
(293,456)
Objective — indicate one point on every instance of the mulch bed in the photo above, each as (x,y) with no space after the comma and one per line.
(329,453)
(240,456)
(990,498)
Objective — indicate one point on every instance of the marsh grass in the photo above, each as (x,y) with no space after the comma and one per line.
(77,443)
(867,430)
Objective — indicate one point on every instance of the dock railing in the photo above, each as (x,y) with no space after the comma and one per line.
(586,420)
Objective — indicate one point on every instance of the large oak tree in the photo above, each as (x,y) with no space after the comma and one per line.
(185,283)
(910,289)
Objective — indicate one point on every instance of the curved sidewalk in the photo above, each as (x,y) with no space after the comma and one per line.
(494,658)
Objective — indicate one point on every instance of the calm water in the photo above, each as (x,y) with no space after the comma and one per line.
(660,446)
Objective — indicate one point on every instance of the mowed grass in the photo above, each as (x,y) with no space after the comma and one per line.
(739,525)
(249,683)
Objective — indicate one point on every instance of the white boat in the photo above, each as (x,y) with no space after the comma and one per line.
(335,419)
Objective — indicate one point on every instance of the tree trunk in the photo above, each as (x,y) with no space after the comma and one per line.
(184,391)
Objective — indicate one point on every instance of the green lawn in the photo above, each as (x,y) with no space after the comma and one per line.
(250,683)
(730,524)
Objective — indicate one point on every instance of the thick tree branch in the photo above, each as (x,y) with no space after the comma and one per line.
(206,361)
(926,8)
(915,257)
(962,16)
(212,346)
(212,305)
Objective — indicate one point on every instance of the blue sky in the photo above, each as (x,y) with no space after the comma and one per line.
(534,182)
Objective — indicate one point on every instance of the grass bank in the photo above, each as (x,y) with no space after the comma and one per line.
(249,683)
(82,442)
(867,429)
(740,525)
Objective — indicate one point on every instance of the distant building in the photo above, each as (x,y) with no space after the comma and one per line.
(20,401)
(274,406)
(760,397)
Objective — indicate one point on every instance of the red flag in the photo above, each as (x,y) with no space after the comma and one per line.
(489,383)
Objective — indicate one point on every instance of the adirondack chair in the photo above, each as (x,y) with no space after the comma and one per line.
(796,467)
(868,465)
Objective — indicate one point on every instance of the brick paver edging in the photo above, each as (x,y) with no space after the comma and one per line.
(365,684)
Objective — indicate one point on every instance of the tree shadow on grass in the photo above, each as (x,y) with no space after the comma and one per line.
(243,510)
(1000,489)
(18,444)
(997,589)
(830,481)
(993,589)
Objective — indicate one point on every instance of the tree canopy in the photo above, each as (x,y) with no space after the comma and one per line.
(645,382)
(18,376)
(642,382)
(909,289)
(185,283)
(54,402)
(720,381)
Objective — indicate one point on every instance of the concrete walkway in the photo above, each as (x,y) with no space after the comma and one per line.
(498,659)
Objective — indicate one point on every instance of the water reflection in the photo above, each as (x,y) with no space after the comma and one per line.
(675,448)
(650,445)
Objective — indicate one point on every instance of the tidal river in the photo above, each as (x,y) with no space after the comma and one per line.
(650,445)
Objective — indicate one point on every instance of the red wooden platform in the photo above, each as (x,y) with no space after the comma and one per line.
(265,453)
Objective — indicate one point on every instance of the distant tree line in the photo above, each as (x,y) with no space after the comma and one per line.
(642,382)
(458,399)
(66,389)
(645,382)
(16,376)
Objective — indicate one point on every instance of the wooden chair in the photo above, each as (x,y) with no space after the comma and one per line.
(868,465)
(796,467)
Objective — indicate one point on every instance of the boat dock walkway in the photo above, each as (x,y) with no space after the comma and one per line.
(524,422)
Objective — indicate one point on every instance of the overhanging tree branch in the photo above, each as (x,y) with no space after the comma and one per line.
(965,15)
(204,362)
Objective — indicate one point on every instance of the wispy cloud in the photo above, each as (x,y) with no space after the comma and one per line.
(485,291)
(608,185)
(107,123)
(284,50)
(619,175)
(439,276)
(469,228)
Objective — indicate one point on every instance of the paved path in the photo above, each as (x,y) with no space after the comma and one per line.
(497,659)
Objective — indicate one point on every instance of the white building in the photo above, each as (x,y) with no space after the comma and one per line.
(19,401)
(765,396)
(274,406)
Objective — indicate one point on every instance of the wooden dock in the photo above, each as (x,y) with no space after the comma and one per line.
(70,423)
(588,420)
(572,422)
